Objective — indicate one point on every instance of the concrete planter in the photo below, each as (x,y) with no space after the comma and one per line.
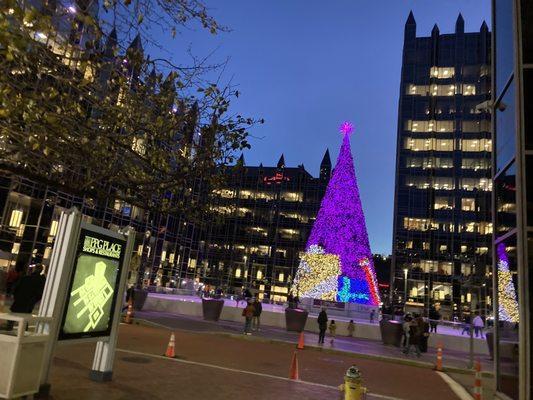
(295,319)
(212,308)
(139,298)
(391,332)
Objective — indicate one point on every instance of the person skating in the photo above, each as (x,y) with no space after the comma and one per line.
(351,328)
(248,314)
(434,317)
(258,309)
(479,324)
(322,325)
(466,325)
(332,330)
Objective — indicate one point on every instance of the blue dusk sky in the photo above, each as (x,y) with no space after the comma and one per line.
(307,65)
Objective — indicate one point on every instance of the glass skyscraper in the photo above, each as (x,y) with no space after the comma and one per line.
(512,109)
(442,213)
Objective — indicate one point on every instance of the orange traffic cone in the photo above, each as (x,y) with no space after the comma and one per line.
(171,352)
(293,372)
(478,389)
(438,366)
(301,341)
(129,313)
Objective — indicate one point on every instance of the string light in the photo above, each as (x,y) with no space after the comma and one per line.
(317,275)
(508,306)
(340,229)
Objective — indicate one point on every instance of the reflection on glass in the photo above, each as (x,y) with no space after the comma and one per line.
(507,323)
(506,200)
(503,28)
(505,128)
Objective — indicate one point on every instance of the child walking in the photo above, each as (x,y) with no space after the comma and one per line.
(351,328)
(332,329)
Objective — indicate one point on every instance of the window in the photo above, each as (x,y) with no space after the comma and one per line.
(443,90)
(429,126)
(476,145)
(476,184)
(468,204)
(475,163)
(416,224)
(443,248)
(425,245)
(475,126)
(443,203)
(417,90)
(469,89)
(429,162)
(428,144)
(464,248)
(442,72)
(443,183)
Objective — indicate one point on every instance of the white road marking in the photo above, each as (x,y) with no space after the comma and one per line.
(460,391)
(138,353)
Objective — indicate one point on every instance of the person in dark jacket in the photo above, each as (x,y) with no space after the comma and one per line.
(248,314)
(414,338)
(322,325)
(434,317)
(27,292)
(423,327)
(258,309)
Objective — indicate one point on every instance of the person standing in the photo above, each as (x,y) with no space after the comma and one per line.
(414,338)
(332,330)
(372,315)
(434,317)
(258,309)
(248,314)
(351,328)
(406,326)
(27,292)
(322,325)
(423,328)
(479,324)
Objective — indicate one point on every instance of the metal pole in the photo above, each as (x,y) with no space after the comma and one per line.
(471,360)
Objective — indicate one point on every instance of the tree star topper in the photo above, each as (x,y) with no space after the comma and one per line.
(346,128)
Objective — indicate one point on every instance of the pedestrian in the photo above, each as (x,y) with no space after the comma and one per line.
(332,330)
(414,338)
(322,325)
(290,300)
(466,325)
(248,314)
(13,276)
(434,317)
(479,324)
(423,328)
(406,329)
(27,291)
(372,315)
(130,293)
(258,309)
(351,328)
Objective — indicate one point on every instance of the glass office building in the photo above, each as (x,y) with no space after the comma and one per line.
(442,215)
(512,109)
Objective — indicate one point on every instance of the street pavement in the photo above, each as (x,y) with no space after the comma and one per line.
(221,365)
(373,348)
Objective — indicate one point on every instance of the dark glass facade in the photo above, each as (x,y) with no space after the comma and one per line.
(442,218)
(261,220)
(513,211)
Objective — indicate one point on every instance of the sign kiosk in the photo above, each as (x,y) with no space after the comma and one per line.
(84,290)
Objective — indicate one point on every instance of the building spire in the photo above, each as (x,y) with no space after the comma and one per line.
(325,166)
(281,162)
(460,24)
(410,19)
(435,31)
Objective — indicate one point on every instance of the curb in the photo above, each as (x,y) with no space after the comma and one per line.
(395,360)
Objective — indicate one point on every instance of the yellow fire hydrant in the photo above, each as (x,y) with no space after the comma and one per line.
(352,386)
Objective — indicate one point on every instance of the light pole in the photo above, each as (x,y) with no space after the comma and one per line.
(405,270)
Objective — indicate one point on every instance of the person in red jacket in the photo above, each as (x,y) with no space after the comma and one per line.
(248,314)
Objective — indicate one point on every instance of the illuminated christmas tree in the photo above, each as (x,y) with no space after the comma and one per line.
(340,230)
(508,306)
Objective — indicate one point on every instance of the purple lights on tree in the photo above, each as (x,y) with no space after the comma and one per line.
(340,229)
(346,128)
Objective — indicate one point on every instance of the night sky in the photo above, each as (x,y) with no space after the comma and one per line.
(307,65)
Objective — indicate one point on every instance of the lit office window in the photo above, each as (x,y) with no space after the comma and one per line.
(281,277)
(238,273)
(476,184)
(469,89)
(259,274)
(442,72)
(16,218)
(417,90)
(476,145)
(475,163)
(468,204)
(443,203)
(53,228)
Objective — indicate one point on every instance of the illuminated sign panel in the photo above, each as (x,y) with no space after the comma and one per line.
(93,288)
